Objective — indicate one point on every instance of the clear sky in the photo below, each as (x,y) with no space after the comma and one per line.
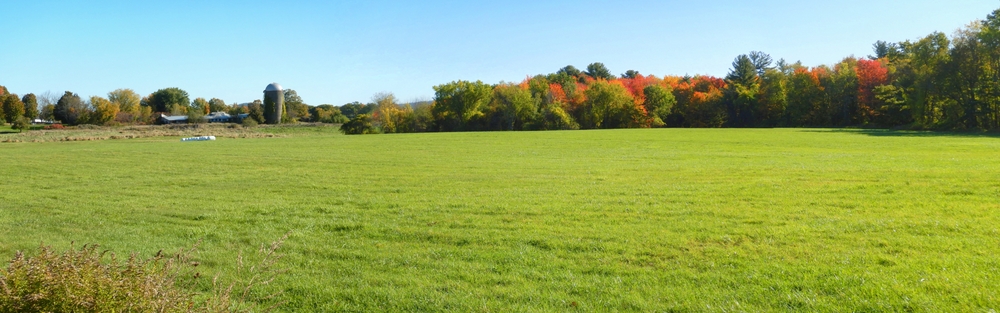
(337,52)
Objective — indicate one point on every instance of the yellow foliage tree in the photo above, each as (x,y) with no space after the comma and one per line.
(104,110)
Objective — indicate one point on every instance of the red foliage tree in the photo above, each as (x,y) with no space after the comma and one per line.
(871,74)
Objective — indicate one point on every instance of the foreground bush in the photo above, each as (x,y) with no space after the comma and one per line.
(90,280)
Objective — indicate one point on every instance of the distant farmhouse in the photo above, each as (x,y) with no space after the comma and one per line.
(274,105)
(214,117)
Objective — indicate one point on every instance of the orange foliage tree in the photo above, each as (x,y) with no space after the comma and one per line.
(871,74)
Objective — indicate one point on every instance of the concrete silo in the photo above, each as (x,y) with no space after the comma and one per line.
(274,103)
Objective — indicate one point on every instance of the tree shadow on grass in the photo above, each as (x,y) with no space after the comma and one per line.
(910,133)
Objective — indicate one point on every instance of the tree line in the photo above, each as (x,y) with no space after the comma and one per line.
(936,82)
(126,107)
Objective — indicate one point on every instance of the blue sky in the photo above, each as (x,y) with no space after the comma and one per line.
(336,52)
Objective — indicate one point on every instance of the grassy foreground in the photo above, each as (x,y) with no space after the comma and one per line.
(616,220)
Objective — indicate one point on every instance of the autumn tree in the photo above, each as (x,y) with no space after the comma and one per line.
(870,75)
(104,111)
(13,108)
(389,116)
(200,105)
(699,102)
(126,99)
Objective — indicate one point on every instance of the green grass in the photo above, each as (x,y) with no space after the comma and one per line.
(616,220)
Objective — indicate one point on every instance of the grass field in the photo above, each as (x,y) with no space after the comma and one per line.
(617,220)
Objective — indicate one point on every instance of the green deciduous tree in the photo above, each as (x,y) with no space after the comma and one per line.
(352,109)
(48,112)
(967,71)
(609,105)
(327,113)
(21,123)
(989,36)
(922,75)
(459,102)
(217,105)
(256,111)
(806,98)
(515,107)
(295,108)
(773,97)
(361,124)
(842,90)
(69,108)
(169,100)
(554,117)
(659,103)
(30,106)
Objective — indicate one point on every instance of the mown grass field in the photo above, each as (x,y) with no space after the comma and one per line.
(617,220)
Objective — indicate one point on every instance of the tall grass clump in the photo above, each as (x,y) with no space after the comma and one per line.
(91,280)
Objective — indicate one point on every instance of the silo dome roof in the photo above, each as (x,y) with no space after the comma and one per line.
(273,87)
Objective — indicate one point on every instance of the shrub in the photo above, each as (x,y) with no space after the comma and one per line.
(91,280)
(21,123)
(249,122)
(54,126)
(78,281)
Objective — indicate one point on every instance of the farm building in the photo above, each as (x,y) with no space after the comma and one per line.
(214,117)
(176,119)
(218,117)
